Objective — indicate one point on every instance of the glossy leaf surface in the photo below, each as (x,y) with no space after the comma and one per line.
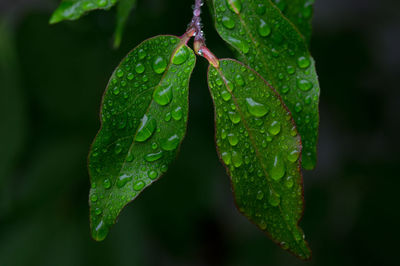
(143,117)
(271,45)
(74,9)
(258,143)
(299,12)
(124,8)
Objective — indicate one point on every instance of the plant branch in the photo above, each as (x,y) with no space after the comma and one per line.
(195,29)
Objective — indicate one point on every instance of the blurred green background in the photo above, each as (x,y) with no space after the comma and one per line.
(51,82)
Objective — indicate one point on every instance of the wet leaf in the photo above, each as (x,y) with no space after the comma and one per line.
(124,8)
(74,9)
(271,45)
(258,143)
(299,12)
(144,117)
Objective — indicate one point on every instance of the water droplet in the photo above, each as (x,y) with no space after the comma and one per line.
(163,94)
(120,73)
(115,91)
(101,3)
(106,183)
(164,168)
(152,174)
(234,5)
(100,231)
(226,157)
(170,143)
(256,109)
(88,6)
(223,134)
(237,159)
(304,84)
(122,180)
(274,198)
(228,22)
(159,65)
(277,169)
(151,157)
(130,76)
(284,89)
(233,139)
(97,211)
(298,107)
(167,117)
(180,56)
(177,113)
(290,69)
(146,128)
(289,182)
(293,156)
(264,29)
(234,117)
(93,197)
(303,62)
(142,54)
(240,44)
(118,148)
(239,80)
(307,100)
(226,95)
(138,185)
(293,131)
(139,68)
(275,128)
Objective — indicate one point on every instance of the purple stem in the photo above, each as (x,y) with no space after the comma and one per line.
(196,21)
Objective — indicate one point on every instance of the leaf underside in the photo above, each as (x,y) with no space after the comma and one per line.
(258,143)
(269,43)
(144,119)
(74,9)
(300,13)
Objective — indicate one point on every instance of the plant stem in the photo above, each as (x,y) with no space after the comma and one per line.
(195,30)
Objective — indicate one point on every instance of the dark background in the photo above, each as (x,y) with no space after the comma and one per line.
(51,82)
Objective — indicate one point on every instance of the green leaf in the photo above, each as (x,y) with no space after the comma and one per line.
(74,9)
(124,8)
(299,12)
(271,45)
(144,117)
(258,143)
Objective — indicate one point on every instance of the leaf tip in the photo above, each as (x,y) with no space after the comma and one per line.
(99,230)
(54,19)
(117,42)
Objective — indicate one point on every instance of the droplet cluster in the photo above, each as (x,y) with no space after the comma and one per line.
(269,43)
(70,10)
(260,147)
(143,116)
